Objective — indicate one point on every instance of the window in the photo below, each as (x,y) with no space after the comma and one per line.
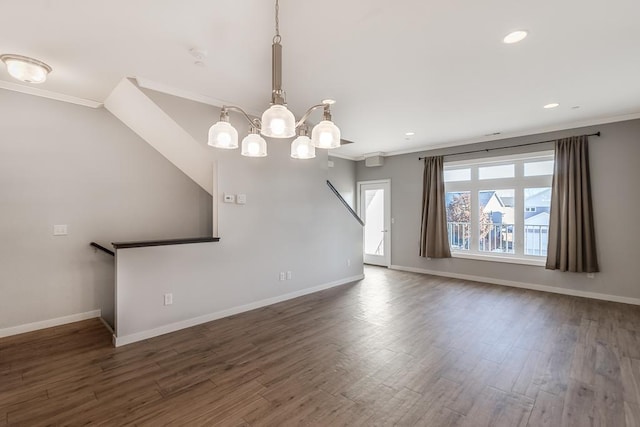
(538,168)
(498,208)
(494,172)
(537,202)
(457,175)
(496,221)
(459,219)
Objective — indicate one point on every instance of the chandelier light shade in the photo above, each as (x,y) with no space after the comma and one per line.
(253,145)
(23,68)
(223,135)
(325,135)
(301,147)
(277,121)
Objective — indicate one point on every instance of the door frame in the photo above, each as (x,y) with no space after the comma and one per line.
(387,214)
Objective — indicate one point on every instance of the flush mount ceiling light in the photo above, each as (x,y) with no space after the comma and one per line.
(277,121)
(26,69)
(552,105)
(515,36)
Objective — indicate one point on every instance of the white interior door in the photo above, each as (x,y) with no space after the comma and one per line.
(374,203)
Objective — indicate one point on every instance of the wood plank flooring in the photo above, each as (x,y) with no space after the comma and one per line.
(394,349)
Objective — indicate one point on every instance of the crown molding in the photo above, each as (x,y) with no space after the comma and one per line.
(374,154)
(344,156)
(529,132)
(43,93)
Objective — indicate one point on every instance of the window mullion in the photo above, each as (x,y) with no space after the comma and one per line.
(519,185)
(475,218)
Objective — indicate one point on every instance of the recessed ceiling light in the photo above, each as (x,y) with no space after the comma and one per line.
(26,69)
(552,105)
(515,36)
(409,133)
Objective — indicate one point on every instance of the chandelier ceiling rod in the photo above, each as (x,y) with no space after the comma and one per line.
(277,121)
(277,94)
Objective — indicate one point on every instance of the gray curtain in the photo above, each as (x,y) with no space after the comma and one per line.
(572,240)
(434,242)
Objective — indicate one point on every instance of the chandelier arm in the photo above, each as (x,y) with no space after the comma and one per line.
(308,113)
(252,122)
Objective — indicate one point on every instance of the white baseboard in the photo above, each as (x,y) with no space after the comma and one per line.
(30,327)
(106,325)
(172,327)
(513,284)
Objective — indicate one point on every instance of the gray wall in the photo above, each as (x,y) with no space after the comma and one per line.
(291,222)
(615,178)
(66,164)
(343,176)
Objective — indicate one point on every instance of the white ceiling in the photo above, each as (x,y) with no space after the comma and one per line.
(436,68)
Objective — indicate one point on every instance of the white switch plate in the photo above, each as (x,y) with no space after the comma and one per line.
(289,275)
(60,230)
(282,276)
(241,199)
(229,198)
(168,299)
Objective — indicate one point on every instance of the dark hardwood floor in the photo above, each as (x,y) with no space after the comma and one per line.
(395,348)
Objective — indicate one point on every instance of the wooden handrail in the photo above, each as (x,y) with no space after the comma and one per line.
(344,202)
(102,248)
(145,243)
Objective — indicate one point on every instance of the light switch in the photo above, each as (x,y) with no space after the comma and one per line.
(229,198)
(241,199)
(60,230)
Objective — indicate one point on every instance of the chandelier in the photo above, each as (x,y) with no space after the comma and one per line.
(277,121)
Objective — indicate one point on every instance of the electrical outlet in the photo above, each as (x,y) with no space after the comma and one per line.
(591,275)
(288,275)
(283,276)
(229,198)
(168,299)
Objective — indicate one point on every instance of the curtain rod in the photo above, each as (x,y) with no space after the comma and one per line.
(502,148)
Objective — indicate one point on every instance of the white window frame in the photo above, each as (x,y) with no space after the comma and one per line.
(518,184)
